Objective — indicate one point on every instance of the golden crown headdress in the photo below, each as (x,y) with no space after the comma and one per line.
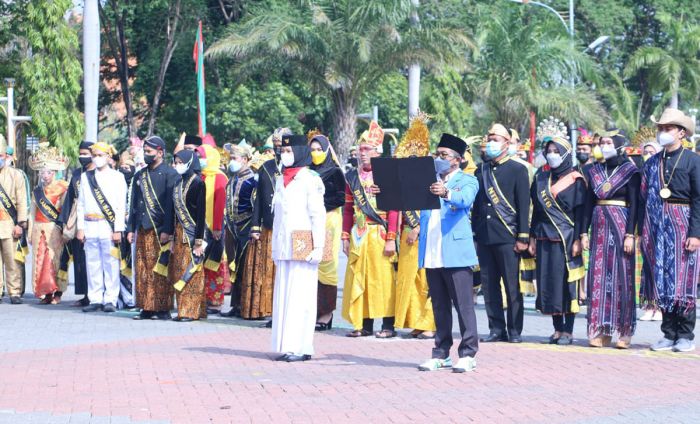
(259,158)
(48,157)
(551,128)
(416,140)
(643,136)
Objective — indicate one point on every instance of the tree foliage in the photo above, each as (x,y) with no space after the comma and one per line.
(52,74)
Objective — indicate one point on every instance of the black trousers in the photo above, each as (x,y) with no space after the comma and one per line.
(678,325)
(564,323)
(79,267)
(387,324)
(498,262)
(448,287)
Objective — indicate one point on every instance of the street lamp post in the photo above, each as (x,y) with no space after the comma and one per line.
(12,120)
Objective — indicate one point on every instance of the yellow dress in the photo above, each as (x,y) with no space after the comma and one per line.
(328,270)
(414,309)
(370,285)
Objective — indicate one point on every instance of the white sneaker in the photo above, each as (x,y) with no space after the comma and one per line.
(662,345)
(435,364)
(684,345)
(657,316)
(465,364)
(647,315)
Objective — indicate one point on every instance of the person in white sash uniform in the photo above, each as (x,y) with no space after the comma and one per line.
(298,207)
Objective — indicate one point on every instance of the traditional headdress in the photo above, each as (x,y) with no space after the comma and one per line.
(242,149)
(259,158)
(416,140)
(551,128)
(48,157)
(374,136)
(313,133)
(280,132)
(454,143)
(585,138)
(104,148)
(499,129)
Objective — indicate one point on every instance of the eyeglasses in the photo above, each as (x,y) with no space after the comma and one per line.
(443,155)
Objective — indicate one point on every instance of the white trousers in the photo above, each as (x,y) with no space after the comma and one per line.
(102,272)
(294,307)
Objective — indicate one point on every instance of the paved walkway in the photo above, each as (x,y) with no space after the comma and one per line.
(63,366)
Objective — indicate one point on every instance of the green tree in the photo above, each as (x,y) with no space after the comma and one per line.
(443,100)
(343,47)
(52,74)
(674,63)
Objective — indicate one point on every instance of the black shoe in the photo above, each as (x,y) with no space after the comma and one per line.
(183,319)
(164,315)
(324,326)
(143,315)
(93,307)
(16,300)
(232,313)
(108,308)
(213,311)
(297,358)
(515,338)
(282,357)
(493,337)
(268,324)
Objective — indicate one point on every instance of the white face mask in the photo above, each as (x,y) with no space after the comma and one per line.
(181,168)
(287,159)
(665,138)
(539,161)
(554,160)
(512,150)
(99,161)
(609,151)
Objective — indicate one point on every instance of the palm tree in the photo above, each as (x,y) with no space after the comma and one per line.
(672,63)
(525,67)
(343,47)
(624,104)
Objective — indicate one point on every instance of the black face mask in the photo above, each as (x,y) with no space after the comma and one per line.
(278,153)
(128,173)
(85,161)
(583,157)
(353,162)
(149,159)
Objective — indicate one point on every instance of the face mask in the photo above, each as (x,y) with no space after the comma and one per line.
(287,159)
(554,160)
(583,157)
(181,168)
(99,161)
(598,154)
(318,158)
(278,152)
(149,159)
(442,166)
(512,150)
(234,166)
(85,160)
(493,149)
(665,138)
(608,151)
(353,162)
(202,163)
(128,173)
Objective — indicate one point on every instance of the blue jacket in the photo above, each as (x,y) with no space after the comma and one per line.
(457,240)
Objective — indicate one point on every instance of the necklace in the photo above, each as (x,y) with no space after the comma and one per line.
(665,192)
(607,186)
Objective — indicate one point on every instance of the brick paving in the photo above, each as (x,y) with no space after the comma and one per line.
(62,366)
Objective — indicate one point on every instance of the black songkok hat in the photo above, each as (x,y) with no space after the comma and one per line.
(294,140)
(193,140)
(85,145)
(454,143)
(155,142)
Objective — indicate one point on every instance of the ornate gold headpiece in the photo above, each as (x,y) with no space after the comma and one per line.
(551,128)
(416,140)
(48,157)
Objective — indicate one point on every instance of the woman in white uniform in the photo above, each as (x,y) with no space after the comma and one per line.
(298,237)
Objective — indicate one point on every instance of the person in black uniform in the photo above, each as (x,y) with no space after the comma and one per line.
(558,197)
(670,235)
(259,258)
(152,221)
(500,216)
(75,245)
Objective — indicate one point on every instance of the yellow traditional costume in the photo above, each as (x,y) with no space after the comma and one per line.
(370,287)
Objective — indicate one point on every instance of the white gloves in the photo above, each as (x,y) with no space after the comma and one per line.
(315,256)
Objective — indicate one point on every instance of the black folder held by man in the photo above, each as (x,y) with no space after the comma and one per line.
(405,183)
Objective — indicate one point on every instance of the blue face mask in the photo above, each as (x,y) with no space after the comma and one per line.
(2,162)
(493,149)
(234,166)
(442,166)
(202,163)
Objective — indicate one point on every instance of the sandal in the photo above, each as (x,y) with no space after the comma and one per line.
(46,300)
(359,333)
(56,300)
(385,334)
(423,336)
